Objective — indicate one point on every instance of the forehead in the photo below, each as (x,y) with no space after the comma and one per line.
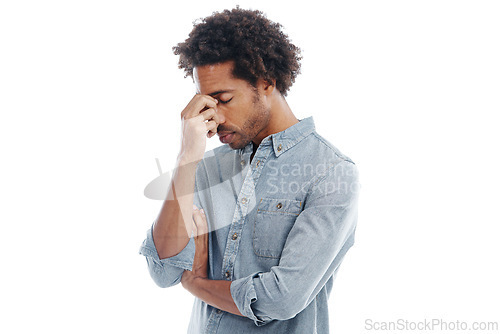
(216,77)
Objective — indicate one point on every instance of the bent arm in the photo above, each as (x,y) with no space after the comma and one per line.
(316,245)
(167,272)
(168,248)
(173,226)
(213,292)
(286,289)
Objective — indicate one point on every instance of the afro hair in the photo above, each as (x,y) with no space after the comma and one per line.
(258,47)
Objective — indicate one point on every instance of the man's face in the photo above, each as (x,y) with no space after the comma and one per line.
(241,106)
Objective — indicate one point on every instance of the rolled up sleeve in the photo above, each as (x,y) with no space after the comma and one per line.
(166,272)
(316,245)
(244,295)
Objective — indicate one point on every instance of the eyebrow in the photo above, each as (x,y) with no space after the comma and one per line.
(220,92)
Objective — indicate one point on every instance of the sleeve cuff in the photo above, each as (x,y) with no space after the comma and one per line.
(244,295)
(183,260)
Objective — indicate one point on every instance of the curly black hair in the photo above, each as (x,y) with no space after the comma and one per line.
(257,45)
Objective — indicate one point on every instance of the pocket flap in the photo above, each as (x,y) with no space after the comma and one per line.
(278,206)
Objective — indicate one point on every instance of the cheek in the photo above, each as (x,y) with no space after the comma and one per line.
(234,113)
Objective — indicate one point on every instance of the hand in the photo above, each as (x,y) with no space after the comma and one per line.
(200,262)
(199,120)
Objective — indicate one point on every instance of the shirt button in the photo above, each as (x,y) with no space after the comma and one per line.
(280,147)
(235,236)
(228,274)
(242,162)
(244,200)
(279,206)
(258,163)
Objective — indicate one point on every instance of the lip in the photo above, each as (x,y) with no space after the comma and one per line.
(225,137)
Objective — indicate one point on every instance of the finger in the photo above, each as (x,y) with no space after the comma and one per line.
(201,223)
(211,120)
(208,101)
(209,114)
(204,102)
(195,229)
(216,117)
(212,126)
(194,222)
(197,104)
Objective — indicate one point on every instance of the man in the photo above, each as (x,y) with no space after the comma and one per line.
(279,202)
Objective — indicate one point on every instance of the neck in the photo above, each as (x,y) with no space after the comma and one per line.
(281,118)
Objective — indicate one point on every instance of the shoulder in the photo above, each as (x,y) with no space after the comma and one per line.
(332,166)
(326,147)
(320,153)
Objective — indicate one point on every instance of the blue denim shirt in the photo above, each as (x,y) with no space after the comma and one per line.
(279,227)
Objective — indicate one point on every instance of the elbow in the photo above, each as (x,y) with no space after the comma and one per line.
(263,304)
(162,282)
(286,310)
(163,277)
(284,307)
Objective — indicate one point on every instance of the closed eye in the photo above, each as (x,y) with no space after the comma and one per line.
(224,102)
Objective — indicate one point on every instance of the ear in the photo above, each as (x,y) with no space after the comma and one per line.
(267,85)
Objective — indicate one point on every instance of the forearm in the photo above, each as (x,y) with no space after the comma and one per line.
(172,228)
(216,293)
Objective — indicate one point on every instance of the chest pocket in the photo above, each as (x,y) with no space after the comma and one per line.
(273,221)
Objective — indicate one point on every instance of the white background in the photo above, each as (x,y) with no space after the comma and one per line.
(91,94)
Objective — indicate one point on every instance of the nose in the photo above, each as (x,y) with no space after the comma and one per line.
(222,118)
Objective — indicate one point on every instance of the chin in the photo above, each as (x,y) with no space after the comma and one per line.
(236,145)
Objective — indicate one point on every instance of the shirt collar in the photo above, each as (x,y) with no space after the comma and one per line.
(286,139)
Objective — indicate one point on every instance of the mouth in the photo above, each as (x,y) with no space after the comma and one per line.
(225,137)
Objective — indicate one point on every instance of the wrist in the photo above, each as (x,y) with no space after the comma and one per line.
(184,158)
(186,279)
(190,280)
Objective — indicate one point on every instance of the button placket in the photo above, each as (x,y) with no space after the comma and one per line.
(243,203)
(261,161)
(232,244)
